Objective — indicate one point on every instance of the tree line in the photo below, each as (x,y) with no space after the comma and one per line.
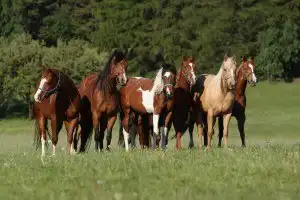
(76,36)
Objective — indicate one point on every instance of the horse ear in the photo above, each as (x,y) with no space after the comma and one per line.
(244,59)
(252,58)
(225,57)
(234,57)
(185,58)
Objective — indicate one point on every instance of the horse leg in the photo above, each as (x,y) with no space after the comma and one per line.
(226,120)
(102,128)
(97,136)
(41,125)
(210,119)
(56,125)
(155,134)
(125,123)
(165,130)
(241,125)
(70,132)
(76,137)
(110,124)
(221,127)
(199,123)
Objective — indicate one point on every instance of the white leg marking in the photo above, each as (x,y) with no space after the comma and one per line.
(36,95)
(165,130)
(53,149)
(253,75)
(43,146)
(155,124)
(126,138)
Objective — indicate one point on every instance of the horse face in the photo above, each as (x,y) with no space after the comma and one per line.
(229,69)
(118,71)
(169,81)
(248,71)
(49,82)
(188,69)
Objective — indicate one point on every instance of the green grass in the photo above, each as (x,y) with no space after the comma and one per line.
(269,168)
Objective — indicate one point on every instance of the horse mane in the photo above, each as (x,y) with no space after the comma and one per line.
(169,68)
(158,83)
(103,81)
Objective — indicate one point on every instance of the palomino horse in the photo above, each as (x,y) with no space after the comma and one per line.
(244,74)
(214,96)
(57,99)
(182,99)
(100,100)
(145,96)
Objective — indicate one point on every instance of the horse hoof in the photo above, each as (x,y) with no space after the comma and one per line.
(107,149)
(191,146)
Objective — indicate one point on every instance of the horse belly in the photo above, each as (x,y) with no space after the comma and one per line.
(142,103)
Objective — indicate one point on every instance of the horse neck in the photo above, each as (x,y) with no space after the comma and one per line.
(182,82)
(241,84)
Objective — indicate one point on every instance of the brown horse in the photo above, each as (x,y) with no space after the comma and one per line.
(100,100)
(182,99)
(214,96)
(145,96)
(57,99)
(244,74)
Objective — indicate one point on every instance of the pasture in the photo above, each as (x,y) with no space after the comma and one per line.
(268,168)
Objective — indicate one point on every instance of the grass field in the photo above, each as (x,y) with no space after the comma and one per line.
(269,168)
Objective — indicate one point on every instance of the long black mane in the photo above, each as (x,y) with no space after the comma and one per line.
(104,81)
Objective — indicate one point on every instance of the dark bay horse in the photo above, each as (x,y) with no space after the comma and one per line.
(182,98)
(100,100)
(146,96)
(244,74)
(57,99)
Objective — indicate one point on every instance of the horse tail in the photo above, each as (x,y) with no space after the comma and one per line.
(37,134)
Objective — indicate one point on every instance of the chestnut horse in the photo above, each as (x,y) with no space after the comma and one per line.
(100,101)
(182,99)
(145,96)
(244,74)
(57,99)
(214,96)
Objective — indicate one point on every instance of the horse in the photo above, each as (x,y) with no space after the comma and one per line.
(100,101)
(213,95)
(145,96)
(244,74)
(57,99)
(182,99)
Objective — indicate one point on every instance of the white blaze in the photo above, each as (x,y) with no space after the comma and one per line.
(39,90)
(193,73)
(167,74)
(168,91)
(253,75)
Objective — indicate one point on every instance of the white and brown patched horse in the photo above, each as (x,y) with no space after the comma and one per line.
(145,96)
(213,97)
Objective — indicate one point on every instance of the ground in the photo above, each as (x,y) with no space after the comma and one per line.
(269,168)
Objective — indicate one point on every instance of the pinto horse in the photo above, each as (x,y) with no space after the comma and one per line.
(57,99)
(244,74)
(100,101)
(145,96)
(214,96)
(182,99)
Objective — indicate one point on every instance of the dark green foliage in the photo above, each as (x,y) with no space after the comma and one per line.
(70,34)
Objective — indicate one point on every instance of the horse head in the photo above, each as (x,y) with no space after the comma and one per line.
(49,83)
(248,68)
(118,68)
(188,69)
(229,69)
(169,79)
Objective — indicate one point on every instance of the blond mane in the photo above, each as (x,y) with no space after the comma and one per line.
(158,84)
